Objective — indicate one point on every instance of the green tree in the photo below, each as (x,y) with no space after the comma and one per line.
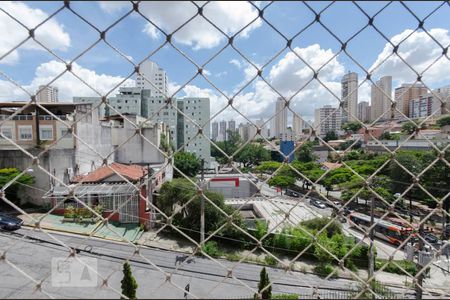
(306,153)
(7,175)
(443,121)
(268,166)
(188,164)
(128,283)
(281,181)
(179,191)
(264,286)
(252,154)
(352,127)
(330,135)
(409,127)
(229,146)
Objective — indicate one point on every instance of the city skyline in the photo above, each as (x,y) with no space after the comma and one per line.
(104,68)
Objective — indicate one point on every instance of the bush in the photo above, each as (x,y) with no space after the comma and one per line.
(285,296)
(324,269)
(317,224)
(212,249)
(233,256)
(407,265)
(271,261)
(69,212)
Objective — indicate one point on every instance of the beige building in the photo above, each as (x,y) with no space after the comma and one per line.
(47,94)
(279,122)
(381,94)
(349,96)
(326,119)
(404,94)
(363,111)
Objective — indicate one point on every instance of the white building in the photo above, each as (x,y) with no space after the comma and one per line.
(47,94)
(128,101)
(198,110)
(327,118)
(424,106)
(153,78)
(381,94)
(349,96)
(279,122)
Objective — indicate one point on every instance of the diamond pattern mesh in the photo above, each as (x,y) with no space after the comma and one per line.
(302,257)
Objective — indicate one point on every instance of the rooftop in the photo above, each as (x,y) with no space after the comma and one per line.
(130,172)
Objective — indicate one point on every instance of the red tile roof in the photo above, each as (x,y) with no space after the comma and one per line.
(130,172)
(330,165)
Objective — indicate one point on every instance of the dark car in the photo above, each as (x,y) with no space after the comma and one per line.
(9,223)
(317,203)
(430,238)
(292,193)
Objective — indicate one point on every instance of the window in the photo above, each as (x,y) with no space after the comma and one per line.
(25,133)
(46,132)
(64,133)
(7,132)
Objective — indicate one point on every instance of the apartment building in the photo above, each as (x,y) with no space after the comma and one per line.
(327,119)
(47,94)
(381,93)
(349,96)
(403,96)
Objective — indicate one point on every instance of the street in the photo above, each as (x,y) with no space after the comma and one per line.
(207,278)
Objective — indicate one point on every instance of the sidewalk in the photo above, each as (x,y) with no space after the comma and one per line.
(122,233)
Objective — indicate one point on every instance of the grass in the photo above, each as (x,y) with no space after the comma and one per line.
(407,265)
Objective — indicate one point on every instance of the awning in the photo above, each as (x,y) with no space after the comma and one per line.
(99,189)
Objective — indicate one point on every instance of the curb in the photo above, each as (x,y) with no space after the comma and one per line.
(76,232)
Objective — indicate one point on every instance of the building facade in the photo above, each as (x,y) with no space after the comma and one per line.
(222,131)
(152,77)
(380,95)
(280,120)
(349,96)
(47,94)
(363,110)
(263,127)
(198,110)
(327,119)
(214,130)
(404,94)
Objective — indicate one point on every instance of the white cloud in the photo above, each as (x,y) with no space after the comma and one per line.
(51,33)
(230,17)
(419,50)
(69,86)
(236,62)
(112,7)
(206,72)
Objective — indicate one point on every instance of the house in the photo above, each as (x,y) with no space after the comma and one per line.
(330,166)
(67,138)
(121,190)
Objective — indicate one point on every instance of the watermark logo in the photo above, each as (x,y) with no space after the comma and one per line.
(74,272)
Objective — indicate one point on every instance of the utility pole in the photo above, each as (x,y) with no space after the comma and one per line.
(202,207)
(419,281)
(371,248)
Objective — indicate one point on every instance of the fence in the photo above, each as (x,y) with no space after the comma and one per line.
(307,255)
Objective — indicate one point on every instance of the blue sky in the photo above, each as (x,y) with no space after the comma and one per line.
(102,67)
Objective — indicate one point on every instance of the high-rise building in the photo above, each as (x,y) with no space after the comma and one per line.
(297,125)
(327,118)
(363,115)
(153,78)
(47,94)
(222,131)
(247,131)
(214,130)
(280,120)
(404,94)
(349,96)
(424,106)
(381,92)
(264,129)
(198,109)
(231,127)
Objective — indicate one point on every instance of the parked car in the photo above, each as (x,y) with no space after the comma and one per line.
(292,193)
(337,204)
(430,238)
(9,223)
(317,203)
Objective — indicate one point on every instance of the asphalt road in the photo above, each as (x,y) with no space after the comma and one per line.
(207,278)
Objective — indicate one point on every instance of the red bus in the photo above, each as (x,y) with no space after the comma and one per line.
(385,230)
